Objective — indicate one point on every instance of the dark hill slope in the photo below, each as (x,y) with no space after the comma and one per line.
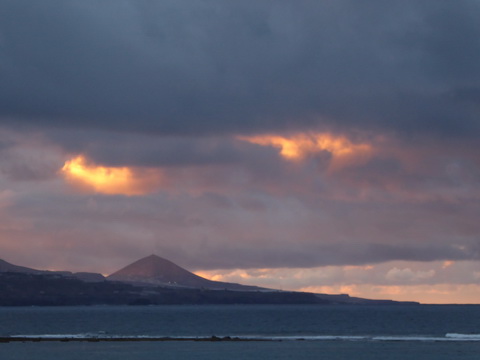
(7,267)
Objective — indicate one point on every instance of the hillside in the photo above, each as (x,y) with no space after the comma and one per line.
(7,267)
(148,281)
(155,270)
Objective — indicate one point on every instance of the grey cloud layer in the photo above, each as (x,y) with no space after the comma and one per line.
(188,67)
(203,235)
(105,78)
(235,221)
(122,149)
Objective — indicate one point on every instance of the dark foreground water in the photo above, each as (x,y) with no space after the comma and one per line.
(283,332)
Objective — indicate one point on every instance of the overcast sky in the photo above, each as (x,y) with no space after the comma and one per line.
(319,145)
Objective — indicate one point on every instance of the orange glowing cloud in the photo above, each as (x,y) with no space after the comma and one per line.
(109,180)
(297,147)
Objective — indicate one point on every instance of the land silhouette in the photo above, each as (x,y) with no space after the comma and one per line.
(152,280)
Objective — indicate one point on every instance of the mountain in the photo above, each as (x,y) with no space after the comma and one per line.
(7,267)
(155,270)
(151,280)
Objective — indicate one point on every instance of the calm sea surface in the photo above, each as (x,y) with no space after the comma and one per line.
(287,332)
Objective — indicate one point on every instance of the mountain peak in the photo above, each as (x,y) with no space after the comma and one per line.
(153,257)
(157,270)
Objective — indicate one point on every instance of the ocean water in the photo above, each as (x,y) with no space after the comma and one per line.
(273,332)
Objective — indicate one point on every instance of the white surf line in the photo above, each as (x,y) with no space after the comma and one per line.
(450,337)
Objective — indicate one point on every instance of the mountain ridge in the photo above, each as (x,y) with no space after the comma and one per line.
(84,276)
(150,280)
(8,267)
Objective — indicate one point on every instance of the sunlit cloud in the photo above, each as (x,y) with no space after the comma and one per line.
(299,146)
(408,274)
(109,180)
(448,263)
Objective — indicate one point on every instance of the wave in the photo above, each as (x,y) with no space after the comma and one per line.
(420,338)
(451,337)
(472,337)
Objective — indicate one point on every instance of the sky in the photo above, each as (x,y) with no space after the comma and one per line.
(325,146)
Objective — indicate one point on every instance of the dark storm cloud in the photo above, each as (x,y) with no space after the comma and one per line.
(121,149)
(22,170)
(314,255)
(22,158)
(186,67)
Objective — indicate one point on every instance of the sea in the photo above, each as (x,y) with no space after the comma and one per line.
(278,332)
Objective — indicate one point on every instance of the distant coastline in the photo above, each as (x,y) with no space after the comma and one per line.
(148,281)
